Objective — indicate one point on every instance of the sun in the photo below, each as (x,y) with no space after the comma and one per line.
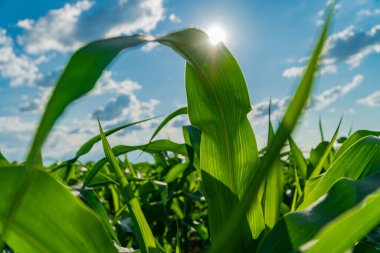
(216,35)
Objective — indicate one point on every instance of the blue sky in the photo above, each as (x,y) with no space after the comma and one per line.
(270,39)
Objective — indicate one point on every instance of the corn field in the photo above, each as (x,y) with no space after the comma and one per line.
(215,192)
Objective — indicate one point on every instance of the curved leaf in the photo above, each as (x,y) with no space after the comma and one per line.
(3,161)
(288,123)
(357,162)
(178,112)
(142,230)
(318,169)
(298,228)
(355,137)
(338,236)
(299,159)
(48,218)
(218,104)
(79,77)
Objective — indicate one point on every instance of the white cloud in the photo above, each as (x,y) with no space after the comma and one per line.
(125,106)
(69,27)
(107,84)
(149,46)
(325,68)
(37,103)
(329,96)
(355,60)
(352,46)
(259,114)
(53,31)
(15,124)
(19,69)
(174,19)
(368,12)
(349,45)
(293,72)
(373,100)
(260,111)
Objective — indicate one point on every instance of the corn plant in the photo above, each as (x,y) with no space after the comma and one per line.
(216,192)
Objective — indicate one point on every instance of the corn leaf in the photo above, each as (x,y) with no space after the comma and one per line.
(142,230)
(48,218)
(359,160)
(176,113)
(92,200)
(355,137)
(273,188)
(299,159)
(318,169)
(339,235)
(218,104)
(299,228)
(288,123)
(79,77)
(3,161)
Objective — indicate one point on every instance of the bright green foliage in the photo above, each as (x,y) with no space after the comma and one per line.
(339,236)
(3,161)
(287,124)
(48,218)
(297,229)
(364,156)
(214,192)
(273,187)
(318,169)
(218,104)
(298,157)
(143,232)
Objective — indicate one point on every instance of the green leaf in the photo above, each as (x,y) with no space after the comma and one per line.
(192,136)
(299,228)
(299,159)
(78,78)
(92,200)
(48,218)
(355,137)
(143,232)
(321,129)
(87,146)
(153,147)
(273,186)
(359,160)
(287,125)
(318,169)
(175,172)
(178,112)
(3,161)
(218,104)
(339,235)
(316,155)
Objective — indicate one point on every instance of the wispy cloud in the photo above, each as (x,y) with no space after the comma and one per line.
(352,45)
(368,12)
(37,103)
(18,69)
(259,114)
(293,72)
(329,96)
(373,100)
(174,19)
(125,106)
(74,24)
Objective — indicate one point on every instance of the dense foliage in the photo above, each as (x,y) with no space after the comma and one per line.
(215,192)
